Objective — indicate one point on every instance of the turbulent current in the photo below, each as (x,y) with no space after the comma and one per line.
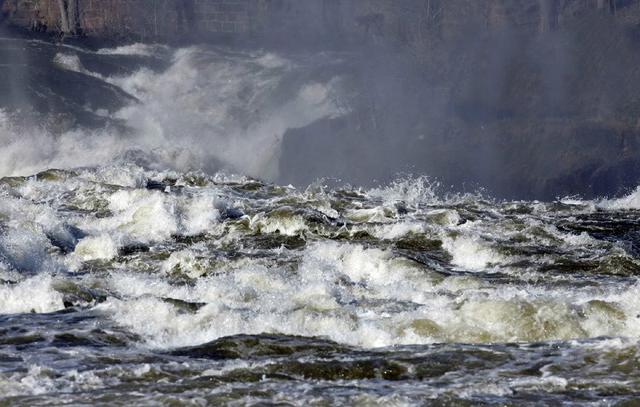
(135,268)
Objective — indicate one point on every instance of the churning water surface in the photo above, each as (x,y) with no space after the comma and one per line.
(132,271)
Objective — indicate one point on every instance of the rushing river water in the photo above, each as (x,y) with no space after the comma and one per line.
(128,276)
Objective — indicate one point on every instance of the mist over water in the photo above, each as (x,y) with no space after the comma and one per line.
(522,122)
(210,109)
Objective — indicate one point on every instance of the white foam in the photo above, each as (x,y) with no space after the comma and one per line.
(35,294)
(142,215)
(132,49)
(288,225)
(199,214)
(100,247)
(397,230)
(40,379)
(76,148)
(631,201)
(351,293)
(581,240)
(272,61)
(186,262)
(69,61)
(338,293)
(253,299)
(470,253)
(410,191)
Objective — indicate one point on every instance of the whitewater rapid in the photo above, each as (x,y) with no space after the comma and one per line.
(136,266)
(346,265)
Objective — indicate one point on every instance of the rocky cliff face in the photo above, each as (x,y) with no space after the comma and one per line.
(408,20)
(138,19)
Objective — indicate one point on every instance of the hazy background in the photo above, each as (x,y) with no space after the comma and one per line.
(524,98)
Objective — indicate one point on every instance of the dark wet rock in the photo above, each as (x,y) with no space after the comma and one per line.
(96,338)
(13,182)
(401,208)
(185,306)
(120,65)
(196,180)
(423,250)
(251,186)
(65,237)
(113,338)
(361,236)
(275,241)
(46,93)
(569,265)
(190,239)
(75,295)
(133,248)
(154,185)
(619,265)
(342,370)
(55,175)
(249,346)
(418,242)
(19,336)
(231,213)
(600,225)
(65,340)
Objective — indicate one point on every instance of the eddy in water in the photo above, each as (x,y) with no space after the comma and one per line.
(136,268)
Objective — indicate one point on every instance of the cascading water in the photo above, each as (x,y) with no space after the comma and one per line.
(135,268)
(210,109)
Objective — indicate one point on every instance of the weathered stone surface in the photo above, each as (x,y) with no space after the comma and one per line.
(408,21)
(140,19)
